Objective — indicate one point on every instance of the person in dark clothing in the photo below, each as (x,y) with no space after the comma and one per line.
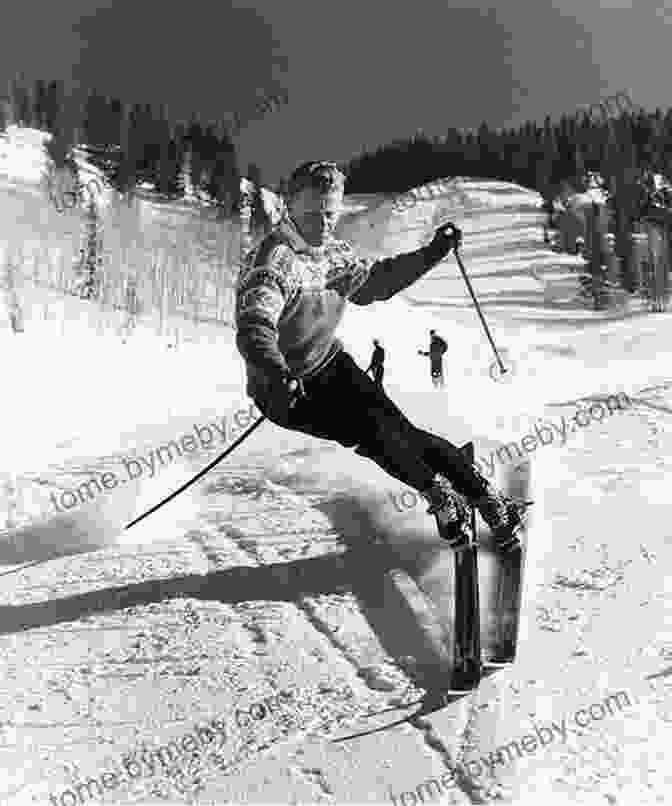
(437,347)
(290,298)
(376,367)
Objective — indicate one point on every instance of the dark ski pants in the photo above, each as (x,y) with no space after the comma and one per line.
(438,379)
(378,373)
(436,370)
(343,404)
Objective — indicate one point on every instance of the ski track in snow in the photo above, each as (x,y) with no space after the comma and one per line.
(125,640)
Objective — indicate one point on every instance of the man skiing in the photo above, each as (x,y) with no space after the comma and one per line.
(377,365)
(290,298)
(437,347)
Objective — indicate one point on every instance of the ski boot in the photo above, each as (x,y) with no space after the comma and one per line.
(503,515)
(451,511)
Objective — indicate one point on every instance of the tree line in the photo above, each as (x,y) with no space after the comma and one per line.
(132,144)
(625,148)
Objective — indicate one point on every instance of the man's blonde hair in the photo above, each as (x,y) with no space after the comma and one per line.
(325,177)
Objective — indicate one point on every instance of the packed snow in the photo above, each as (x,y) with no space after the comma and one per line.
(77,400)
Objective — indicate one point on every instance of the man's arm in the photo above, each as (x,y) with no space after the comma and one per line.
(262,294)
(388,276)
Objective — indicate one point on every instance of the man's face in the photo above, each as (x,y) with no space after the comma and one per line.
(316,214)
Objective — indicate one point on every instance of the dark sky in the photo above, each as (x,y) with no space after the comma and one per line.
(358,72)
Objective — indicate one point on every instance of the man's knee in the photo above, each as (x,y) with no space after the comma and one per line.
(364,449)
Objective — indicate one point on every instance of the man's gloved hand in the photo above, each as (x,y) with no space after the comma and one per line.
(283,395)
(446,238)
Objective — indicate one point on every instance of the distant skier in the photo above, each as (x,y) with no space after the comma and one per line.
(377,365)
(290,298)
(437,347)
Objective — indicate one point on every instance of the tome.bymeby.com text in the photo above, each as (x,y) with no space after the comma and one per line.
(203,436)
(173,758)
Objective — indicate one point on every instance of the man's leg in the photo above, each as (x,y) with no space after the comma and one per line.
(378,430)
(436,373)
(502,515)
(376,427)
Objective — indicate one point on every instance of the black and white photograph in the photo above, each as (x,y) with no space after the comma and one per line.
(335,402)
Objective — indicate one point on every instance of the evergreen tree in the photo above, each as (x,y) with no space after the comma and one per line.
(92,116)
(144,145)
(53,104)
(90,263)
(547,164)
(622,174)
(51,114)
(131,166)
(579,171)
(21,104)
(115,119)
(208,152)
(224,184)
(98,132)
(124,175)
(168,180)
(40,101)
(194,144)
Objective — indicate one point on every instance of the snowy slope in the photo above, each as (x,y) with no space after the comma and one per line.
(525,289)
(25,163)
(527,293)
(130,616)
(541,336)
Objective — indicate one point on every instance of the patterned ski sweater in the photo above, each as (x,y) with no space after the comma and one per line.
(290,299)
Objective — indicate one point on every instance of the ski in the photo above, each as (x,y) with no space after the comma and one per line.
(430,703)
(507,590)
(467,635)
(474,655)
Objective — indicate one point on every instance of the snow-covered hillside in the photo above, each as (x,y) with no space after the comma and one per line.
(241,587)
(527,293)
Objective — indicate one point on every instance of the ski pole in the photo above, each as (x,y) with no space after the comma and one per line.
(478,310)
(244,241)
(200,474)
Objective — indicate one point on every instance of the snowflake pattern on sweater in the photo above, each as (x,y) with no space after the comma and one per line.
(264,291)
(290,299)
